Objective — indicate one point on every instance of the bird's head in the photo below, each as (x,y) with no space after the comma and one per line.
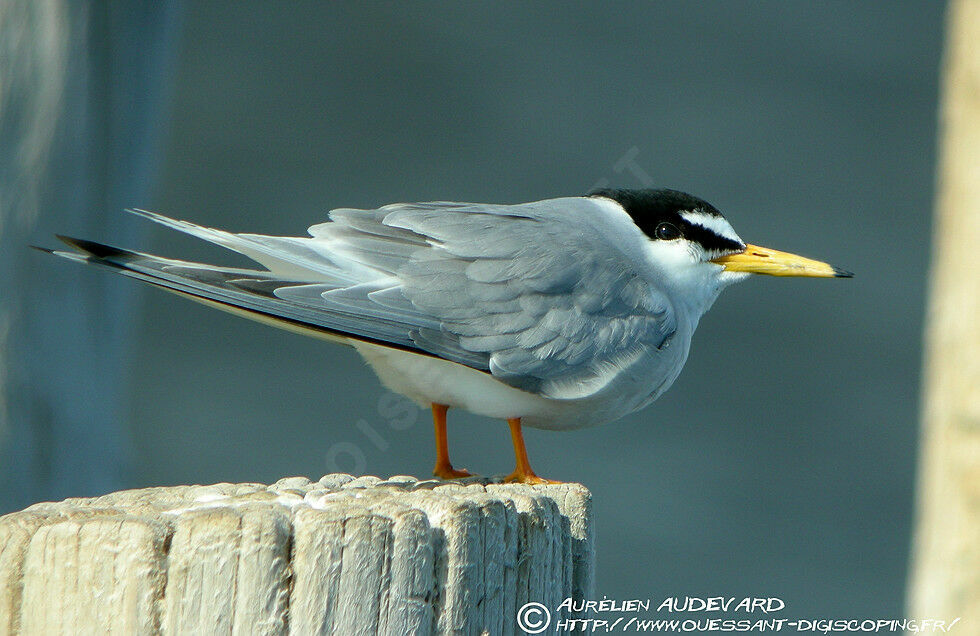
(696,250)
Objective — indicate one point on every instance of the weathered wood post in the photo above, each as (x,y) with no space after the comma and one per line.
(945,581)
(338,556)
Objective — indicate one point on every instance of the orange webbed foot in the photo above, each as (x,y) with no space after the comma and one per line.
(522,472)
(448,472)
(531,479)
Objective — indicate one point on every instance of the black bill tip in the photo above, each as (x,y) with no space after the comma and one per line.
(842,273)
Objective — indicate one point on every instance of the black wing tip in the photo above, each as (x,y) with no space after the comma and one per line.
(842,273)
(91,248)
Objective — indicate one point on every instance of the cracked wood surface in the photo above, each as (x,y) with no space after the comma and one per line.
(341,555)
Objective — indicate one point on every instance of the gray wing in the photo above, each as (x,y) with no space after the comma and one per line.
(547,296)
(550,297)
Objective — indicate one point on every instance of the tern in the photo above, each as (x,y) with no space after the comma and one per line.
(556,314)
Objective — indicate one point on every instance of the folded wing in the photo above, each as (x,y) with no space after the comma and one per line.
(548,297)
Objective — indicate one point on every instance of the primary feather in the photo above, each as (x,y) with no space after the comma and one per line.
(552,298)
(530,293)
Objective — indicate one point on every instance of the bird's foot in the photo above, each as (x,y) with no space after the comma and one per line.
(528,477)
(446,471)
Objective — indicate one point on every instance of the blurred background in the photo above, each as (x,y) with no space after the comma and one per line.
(781,463)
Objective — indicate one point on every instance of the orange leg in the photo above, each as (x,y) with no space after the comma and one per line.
(522,472)
(444,468)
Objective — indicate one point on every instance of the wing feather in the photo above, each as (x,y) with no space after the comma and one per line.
(557,306)
(550,296)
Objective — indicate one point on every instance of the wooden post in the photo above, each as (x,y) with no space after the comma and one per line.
(338,556)
(945,581)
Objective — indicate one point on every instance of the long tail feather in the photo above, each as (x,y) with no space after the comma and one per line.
(241,291)
(289,257)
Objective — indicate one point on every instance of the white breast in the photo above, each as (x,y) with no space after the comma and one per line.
(425,380)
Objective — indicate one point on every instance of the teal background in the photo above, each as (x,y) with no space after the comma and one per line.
(782,461)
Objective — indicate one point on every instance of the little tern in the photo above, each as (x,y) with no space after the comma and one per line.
(556,314)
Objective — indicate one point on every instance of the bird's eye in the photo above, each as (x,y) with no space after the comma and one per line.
(667,232)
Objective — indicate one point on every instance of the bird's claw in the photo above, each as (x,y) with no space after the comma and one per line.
(448,472)
(531,479)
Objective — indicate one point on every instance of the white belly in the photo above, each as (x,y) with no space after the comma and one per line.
(425,380)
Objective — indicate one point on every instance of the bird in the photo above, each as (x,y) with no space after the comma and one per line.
(556,314)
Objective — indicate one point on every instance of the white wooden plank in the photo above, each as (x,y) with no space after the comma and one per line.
(94,573)
(342,555)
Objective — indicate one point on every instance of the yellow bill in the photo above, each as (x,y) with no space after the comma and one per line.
(762,260)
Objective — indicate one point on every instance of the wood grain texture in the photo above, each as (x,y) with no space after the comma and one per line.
(945,578)
(342,555)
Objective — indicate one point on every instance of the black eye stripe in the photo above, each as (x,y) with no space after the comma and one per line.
(710,241)
(650,208)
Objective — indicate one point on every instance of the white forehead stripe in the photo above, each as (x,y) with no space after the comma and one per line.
(716,224)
